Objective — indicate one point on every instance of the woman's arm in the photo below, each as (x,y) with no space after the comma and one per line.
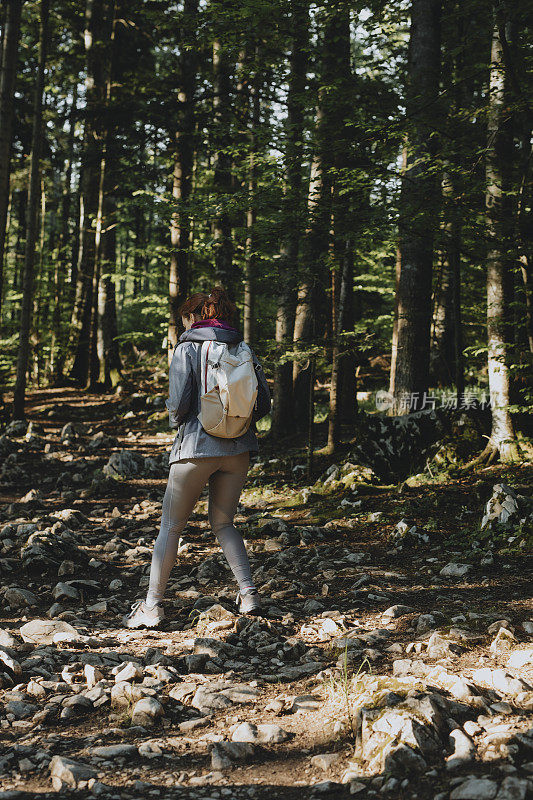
(180,383)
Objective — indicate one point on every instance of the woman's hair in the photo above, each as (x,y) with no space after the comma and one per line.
(218,305)
(193,304)
(215,305)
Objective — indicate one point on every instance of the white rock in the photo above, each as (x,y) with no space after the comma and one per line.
(113,751)
(65,772)
(455,570)
(42,631)
(520,658)
(266,733)
(6,640)
(130,672)
(11,663)
(147,711)
(499,680)
(324,761)
(503,641)
(464,750)
(92,675)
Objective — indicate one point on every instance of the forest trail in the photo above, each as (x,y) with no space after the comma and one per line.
(396,658)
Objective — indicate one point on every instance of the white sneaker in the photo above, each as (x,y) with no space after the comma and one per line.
(248,602)
(140,615)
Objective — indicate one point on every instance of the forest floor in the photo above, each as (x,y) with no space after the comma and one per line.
(395,657)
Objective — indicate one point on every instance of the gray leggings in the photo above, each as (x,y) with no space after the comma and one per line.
(226,476)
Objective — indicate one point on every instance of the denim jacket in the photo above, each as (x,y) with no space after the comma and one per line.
(183,403)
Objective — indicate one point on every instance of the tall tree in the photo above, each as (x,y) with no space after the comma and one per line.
(98,27)
(8,70)
(292,217)
(222,183)
(32,219)
(418,203)
(501,256)
(180,227)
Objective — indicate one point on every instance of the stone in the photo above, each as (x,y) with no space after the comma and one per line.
(324,761)
(455,570)
(265,733)
(43,631)
(20,709)
(464,750)
(305,702)
(397,611)
(65,591)
(225,754)
(475,789)
(113,751)
(7,661)
(503,641)
(520,658)
(65,772)
(20,598)
(92,675)
(501,507)
(125,694)
(512,788)
(147,711)
(149,750)
(205,700)
(272,546)
(129,672)
(6,640)
(499,680)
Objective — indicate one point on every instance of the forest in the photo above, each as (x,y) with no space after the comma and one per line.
(358,177)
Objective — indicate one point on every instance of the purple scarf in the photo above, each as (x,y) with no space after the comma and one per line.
(213,323)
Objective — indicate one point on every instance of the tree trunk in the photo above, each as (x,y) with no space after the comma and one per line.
(293,209)
(110,365)
(8,71)
(97,34)
(418,202)
(222,182)
(251,213)
(180,226)
(501,256)
(31,220)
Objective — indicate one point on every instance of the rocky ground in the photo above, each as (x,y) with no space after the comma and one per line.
(395,657)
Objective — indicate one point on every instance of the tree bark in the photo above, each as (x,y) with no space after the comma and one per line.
(31,220)
(222,181)
(501,256)
(283,411)
(418,203)
(97,34)
(251,211)
(8,71)
(180,227)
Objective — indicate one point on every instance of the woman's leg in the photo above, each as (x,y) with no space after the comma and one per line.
(225,486)
(185,483)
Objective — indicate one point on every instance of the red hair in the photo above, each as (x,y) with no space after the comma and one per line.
(193,304)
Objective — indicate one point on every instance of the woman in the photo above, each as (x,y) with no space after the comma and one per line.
(197,458)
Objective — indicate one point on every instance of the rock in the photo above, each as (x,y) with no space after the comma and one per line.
(272,546)
(502,508)
(464,750)
(124,464)
(520,658)
(7,661)
(17,428)
(513,788)
(6,640)
(394,612)
(324,761)
(205,700)
(20,598)
(130,672)
(455,570)
(475,789)
(267,733)
(65,772)
(503,641)
(225,754)
(147,711)
(20,709)
(65,591)
(124,694)
(499,680)
(305,702)
(92,675)
(114,751)
(43,631)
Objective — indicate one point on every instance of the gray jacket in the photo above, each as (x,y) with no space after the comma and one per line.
(183,403)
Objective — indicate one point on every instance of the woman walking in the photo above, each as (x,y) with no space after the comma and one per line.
(197,458)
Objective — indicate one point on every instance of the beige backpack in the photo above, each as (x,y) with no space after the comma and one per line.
(228,389)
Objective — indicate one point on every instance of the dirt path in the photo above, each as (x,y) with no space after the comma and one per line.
(395,657)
